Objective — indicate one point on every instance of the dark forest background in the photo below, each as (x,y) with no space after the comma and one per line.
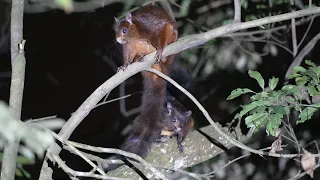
(69,55)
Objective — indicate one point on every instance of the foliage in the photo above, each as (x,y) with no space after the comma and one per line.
(268,107)
(34,134)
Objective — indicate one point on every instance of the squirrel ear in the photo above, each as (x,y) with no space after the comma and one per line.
(129,18)
(188,113)
(116,19)
(169,107)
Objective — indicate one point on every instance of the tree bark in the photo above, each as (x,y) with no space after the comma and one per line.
(17,83)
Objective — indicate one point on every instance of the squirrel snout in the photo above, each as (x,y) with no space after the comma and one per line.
(121,40)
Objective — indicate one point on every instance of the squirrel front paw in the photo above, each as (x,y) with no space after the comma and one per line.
(180,147)
(123,68)
(159,57)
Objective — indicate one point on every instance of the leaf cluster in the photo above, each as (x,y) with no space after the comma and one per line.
(34,134)
(268,107)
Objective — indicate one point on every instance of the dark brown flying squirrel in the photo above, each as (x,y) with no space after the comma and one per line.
(177,122)
(158,121)
(161,115)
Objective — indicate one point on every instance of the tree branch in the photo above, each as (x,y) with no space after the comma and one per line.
(297,61)
(237,11)
(8,167)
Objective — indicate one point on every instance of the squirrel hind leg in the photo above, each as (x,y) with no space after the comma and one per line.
(179,142)
(168,36)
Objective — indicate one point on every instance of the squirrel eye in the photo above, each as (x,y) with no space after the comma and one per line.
(124,30)
(174,120)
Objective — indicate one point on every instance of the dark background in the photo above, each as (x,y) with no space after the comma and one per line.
(69,56)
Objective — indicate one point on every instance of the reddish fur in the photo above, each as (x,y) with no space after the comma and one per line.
(150,24)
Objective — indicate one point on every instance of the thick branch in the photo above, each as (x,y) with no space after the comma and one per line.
(167,154)
(297,61)
(17,83)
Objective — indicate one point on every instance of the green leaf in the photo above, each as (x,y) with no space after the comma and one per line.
(301,80)
(251,106)
(257,76)
(273,123)
(184,8)
(310,63)
(280,110)
(258,124)
(244,4)
(312,74)
(276,94)
(312,90)
(18,172)
(252,119)
(316,70)
(307,113)
(293,76)
(24,160)
(237,92)
(299,69)
(260,109)
(227,21)
(256,97)
(290,89)
(13,129)
(264,94)
(273,82)
(67,5)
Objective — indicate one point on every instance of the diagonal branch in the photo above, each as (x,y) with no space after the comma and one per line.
(297,61)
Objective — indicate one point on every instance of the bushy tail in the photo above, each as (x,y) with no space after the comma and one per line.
(181,76)
(138,142)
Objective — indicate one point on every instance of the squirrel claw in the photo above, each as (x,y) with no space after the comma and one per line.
(180,147)
(158,57)
(122,68)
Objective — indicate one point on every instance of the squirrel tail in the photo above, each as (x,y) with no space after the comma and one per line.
(181,76)
(138,142)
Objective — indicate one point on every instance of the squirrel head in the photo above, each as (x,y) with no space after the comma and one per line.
(126,30)
(178,117)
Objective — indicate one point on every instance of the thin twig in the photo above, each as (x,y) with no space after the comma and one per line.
(294,34)
(118,151)
(300,175)
(237,11)
(67,169)
(123,110)
(306,32)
